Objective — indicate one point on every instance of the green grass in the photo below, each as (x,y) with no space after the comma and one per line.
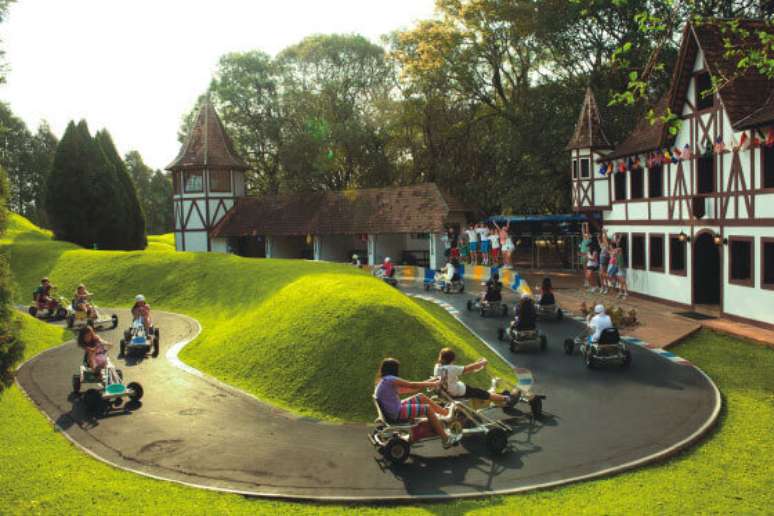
(304,336)
(165,242)
(731,472)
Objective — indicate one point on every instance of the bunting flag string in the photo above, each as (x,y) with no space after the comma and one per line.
(720,147)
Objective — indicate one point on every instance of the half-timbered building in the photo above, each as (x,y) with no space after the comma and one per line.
(696,206)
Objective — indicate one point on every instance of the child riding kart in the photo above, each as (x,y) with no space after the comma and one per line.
(547,307)
(448,280)
(44,306)
(83,314)
(523,332)
(600,342)
(141,337)
(106,384)
(386,272)
(491,299)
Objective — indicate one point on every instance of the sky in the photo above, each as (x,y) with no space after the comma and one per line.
(134,67)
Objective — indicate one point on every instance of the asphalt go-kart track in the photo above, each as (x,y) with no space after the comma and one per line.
(193,429)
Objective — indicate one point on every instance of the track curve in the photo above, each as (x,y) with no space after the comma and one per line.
(194,430)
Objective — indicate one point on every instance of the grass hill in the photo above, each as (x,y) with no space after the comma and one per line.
(303,335)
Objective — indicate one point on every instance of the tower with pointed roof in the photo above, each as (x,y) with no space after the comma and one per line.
(208,176)
(590,190)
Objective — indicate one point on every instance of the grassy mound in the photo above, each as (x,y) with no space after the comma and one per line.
(303,335)
(165,242)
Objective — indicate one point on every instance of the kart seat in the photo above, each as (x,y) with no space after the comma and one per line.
(391,422)
(609,336)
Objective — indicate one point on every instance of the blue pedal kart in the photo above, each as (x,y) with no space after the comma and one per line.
(436,280)
(139,340)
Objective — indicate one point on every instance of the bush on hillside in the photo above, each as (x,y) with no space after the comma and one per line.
(11,349)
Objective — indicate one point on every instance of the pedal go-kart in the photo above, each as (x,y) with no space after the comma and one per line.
(53,310)
(523,339)
(437,280)
(551,312)
(137,340)
(610,348)
(390,280)
(105,392)
(77,319)
(394,439)
(485,307)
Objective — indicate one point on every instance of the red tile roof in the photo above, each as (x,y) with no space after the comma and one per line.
(645,136)
(420,208)
(207,145)
(588,131)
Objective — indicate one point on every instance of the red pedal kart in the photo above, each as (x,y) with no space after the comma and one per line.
(51,309)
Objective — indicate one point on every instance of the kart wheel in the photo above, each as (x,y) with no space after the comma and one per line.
(559,314)
(156,333)
(543,343)
(33,310)
(122,349)
(505,310)
(93,401)
(588,359)
(397,450)
(155,349)
(568,346)
(135,391)
(536,407)
(70,321)
(627,359)
(470,305)
(76,384)
(61,314)
(500,333)
(115,321)
(496,440)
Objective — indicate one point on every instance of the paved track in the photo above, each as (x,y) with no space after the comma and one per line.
(194,430)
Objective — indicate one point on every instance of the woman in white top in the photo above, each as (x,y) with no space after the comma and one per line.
(450,381)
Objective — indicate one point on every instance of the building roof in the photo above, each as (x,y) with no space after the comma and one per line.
(645,136)
(743,94)
(207,144)
(588,131)
(747,98)
(423,208)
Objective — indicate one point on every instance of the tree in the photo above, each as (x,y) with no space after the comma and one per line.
(154,190)
(44,144)
(130,219)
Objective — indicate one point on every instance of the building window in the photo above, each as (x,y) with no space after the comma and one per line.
(176,182)
(220,181)
(656,181)
(767,263)
(740,266)
(657,253)
(677,251)
(585,169)
(638,251)
(193,182)
(575,169)
(623,244)
(704,98)
(768,167)
(705,179)
(638,186)
(619,180)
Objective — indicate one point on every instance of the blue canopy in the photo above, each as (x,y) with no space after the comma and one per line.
(567,217)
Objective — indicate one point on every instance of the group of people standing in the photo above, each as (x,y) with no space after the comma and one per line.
(480,244)
(603,262)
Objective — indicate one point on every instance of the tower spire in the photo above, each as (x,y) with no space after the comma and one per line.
(588,130)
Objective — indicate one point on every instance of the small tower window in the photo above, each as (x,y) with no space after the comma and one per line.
(220,181)
(193,182)
(585,169)
(575,169)
(704,98)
